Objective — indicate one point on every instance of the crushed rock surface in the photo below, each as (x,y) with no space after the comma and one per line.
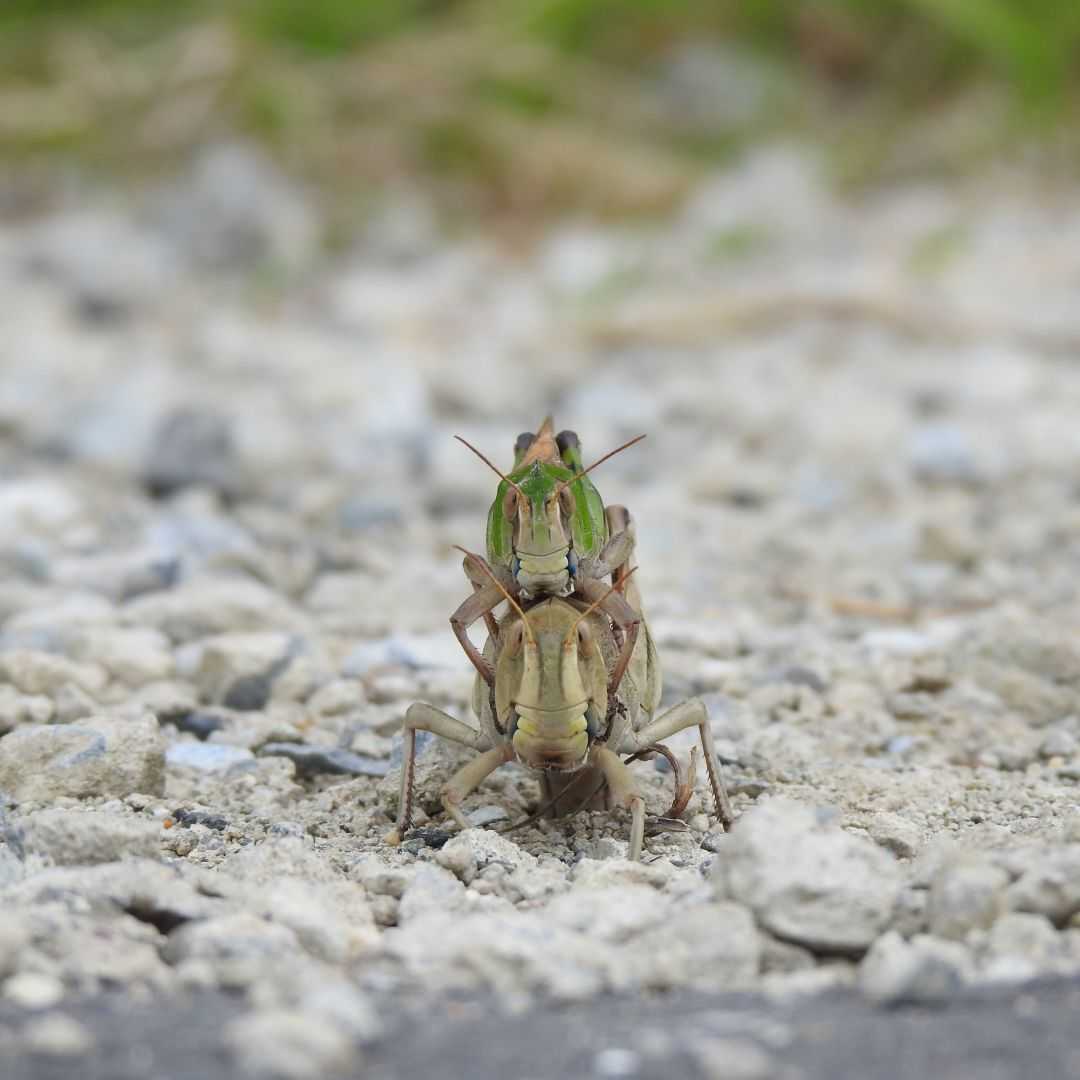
(226,571)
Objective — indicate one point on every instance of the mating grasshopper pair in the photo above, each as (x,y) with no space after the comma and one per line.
(569,680)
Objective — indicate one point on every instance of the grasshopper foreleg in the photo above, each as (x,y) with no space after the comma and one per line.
(469,777)
(423,717)
(624,792)
(482,603)
(623,616)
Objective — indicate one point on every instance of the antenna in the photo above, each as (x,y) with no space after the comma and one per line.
(497,472)
(578,476)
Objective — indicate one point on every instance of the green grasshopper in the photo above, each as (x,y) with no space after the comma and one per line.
(549,534)
(549,707)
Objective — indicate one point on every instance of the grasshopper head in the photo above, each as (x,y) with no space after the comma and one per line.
(550,685)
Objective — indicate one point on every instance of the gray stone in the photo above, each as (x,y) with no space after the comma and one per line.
(98,756)
(925,969)
(941,453)
(75,837)
(965,896)
(314,760)
(118,575)
(238,670)
(483,816)
(209,757)
(202,723)
(810,884)
(415,652)
(192,448)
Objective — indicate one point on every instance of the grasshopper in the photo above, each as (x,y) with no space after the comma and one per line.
(549,534)
(549,707)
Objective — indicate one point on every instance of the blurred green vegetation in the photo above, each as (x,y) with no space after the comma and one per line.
(525,105)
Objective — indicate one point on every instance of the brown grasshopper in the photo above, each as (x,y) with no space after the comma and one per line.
(549,534)
(550,708)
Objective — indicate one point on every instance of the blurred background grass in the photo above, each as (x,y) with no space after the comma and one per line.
(526,107)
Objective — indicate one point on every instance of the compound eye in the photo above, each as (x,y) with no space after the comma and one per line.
(523,442)
(510,504)
(567,503)
(567,440)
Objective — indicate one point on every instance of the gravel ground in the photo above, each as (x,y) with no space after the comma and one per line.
(229,494)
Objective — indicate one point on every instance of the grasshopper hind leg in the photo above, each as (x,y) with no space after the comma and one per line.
(688,714)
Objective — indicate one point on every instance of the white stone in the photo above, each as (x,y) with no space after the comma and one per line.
(36,672)
(288,1045)
(134,656)
(924,969)
(17,708)
(58,1036)
(474,849)
(98,756)
(74,837)
(965,896)
(33,990)
(805,882)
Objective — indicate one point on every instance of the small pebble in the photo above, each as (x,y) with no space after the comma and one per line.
(33,990)
(617,1061)
(58,1036)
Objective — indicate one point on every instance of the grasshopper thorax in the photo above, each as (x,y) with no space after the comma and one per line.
(550,685)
